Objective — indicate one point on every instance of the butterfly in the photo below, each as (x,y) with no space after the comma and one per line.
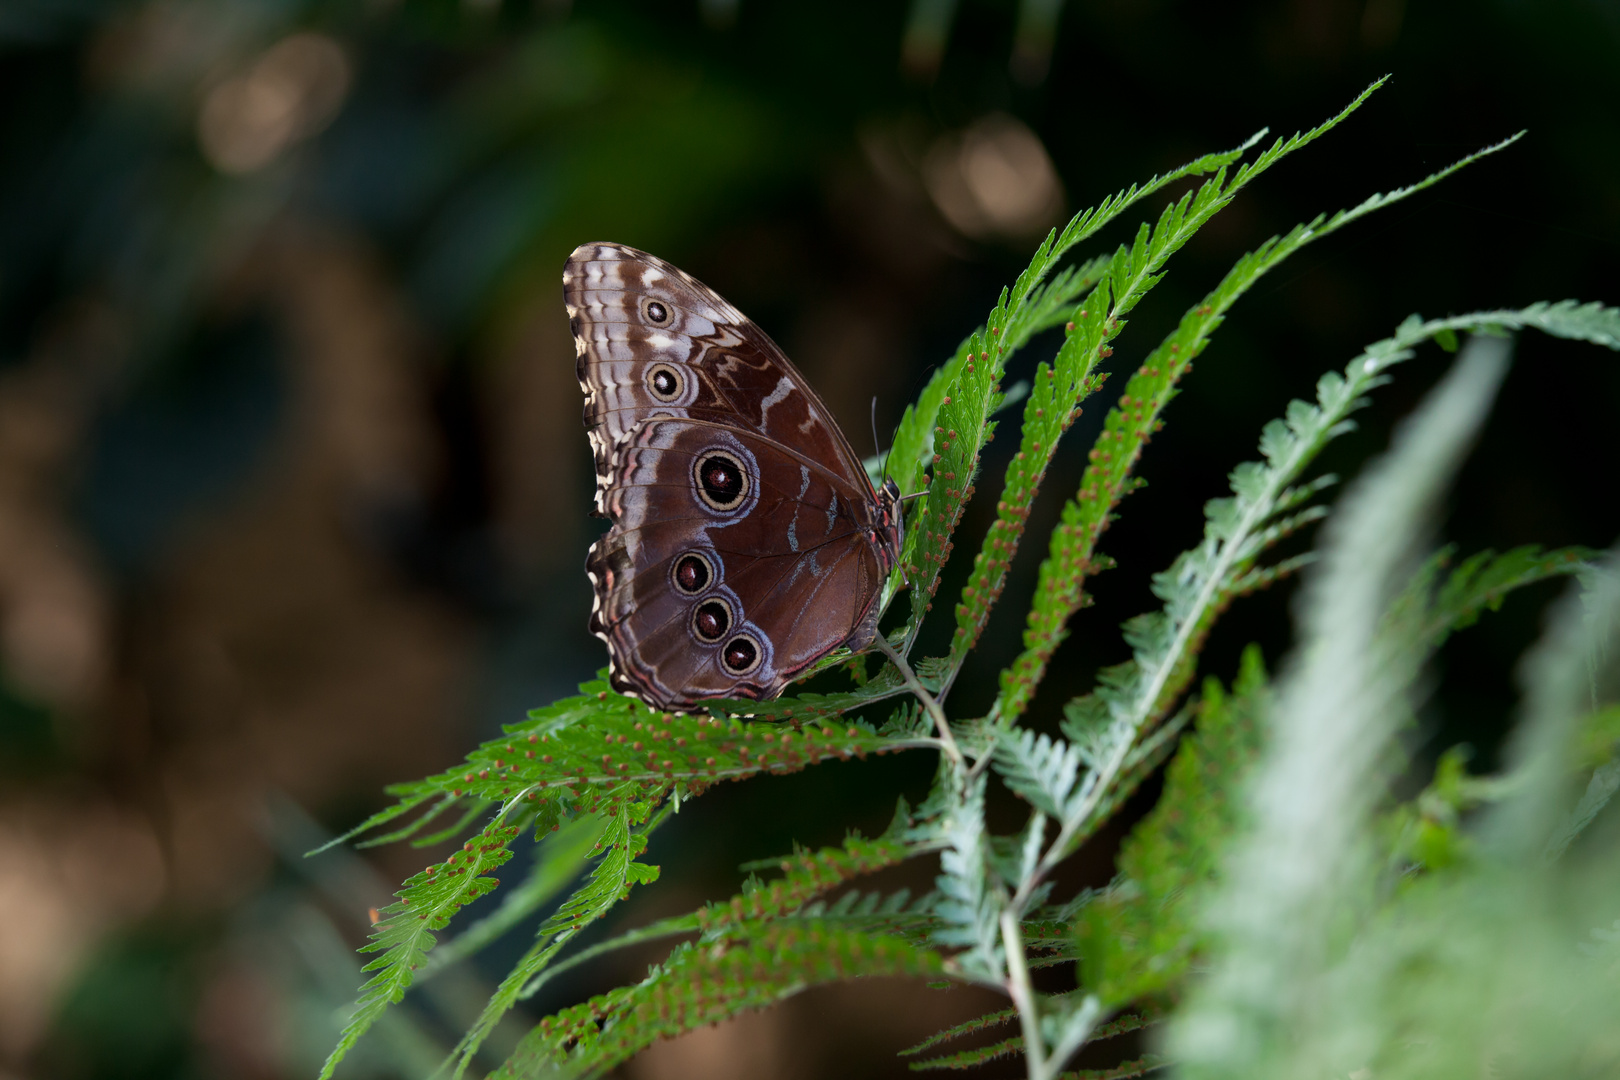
(747,541)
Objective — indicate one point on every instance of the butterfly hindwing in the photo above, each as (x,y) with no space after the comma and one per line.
(777,566)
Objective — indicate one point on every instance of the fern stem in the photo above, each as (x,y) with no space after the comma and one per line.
(1022,991)
(929,702)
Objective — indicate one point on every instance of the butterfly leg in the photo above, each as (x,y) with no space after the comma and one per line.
(861,638)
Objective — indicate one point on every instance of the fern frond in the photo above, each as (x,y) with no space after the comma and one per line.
(1143,760)
(1015,1045)
(1067,1024)
(968,908)
(391,813)
(914,438)
(404,832)
(962,418)
(879,913)
(950,424)
(1127,1070)
(1598,739)
(806,875)
(404,935)
(1601,787)
(967,1059)
(1331,725)
(1565,672)
(628,822)
(1039,769)
(1053,406)
(1138,935)
(1131,696)
(561,762)
(1261,489)
(967,1027)
(1481,582)
(557,861)
(471,810)
(703,984)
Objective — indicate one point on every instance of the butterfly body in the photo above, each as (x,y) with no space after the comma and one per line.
(746,541)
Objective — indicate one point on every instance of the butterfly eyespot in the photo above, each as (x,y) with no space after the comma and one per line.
(692,573)
(711,620)
(740,655)
(657,312)
(665,382)
(722,482)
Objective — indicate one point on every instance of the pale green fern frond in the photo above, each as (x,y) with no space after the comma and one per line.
(1332,719)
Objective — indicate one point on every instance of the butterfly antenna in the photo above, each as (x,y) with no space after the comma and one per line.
(877,446)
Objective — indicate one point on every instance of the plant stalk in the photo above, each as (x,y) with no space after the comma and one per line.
(1022,992)
(929,703)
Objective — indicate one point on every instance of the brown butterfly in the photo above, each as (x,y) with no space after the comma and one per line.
(747,541)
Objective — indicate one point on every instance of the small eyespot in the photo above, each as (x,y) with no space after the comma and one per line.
(740,655)
(711,620)
(722,482)
(665,382)
(692,573)
(657,312)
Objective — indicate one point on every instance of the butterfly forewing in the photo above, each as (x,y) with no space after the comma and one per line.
(702,360)
(747,541)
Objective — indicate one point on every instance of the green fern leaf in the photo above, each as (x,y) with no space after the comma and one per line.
(701,985)
(1039,769)
(1138,936)
(950,424)
(967,1059)
(967,907)
(628,822)
(1127,1070)
(1130,425)
(1481,582)
(557,861)
(968,1027)
(426,903)
(560,764)
(806,875)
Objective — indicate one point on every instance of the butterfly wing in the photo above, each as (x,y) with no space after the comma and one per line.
(652,340)
(746,541)
(726,589)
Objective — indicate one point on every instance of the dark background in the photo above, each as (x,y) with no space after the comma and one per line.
(293,492)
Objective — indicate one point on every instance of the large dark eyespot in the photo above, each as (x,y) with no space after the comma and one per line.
(740,655)
(721,480)
(664,382)
(711,620)
(692,573)
(657,312)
